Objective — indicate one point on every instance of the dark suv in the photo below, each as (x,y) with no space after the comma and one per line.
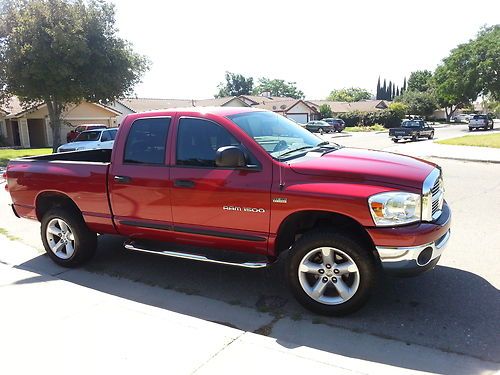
(338,124)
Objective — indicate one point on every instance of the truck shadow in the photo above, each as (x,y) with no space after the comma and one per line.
(448,309)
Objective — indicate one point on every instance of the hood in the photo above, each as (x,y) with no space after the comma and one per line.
(365,165)
(75,145)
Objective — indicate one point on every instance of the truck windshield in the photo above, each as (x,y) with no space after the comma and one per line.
(88,136)
(276,134)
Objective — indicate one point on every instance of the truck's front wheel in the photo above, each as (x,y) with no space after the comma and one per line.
(330,273)
(66,238)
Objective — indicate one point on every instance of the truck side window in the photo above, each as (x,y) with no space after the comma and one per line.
(198,141)
(146,141)
(105,137)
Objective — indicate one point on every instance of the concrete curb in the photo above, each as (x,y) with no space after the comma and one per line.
(465,159)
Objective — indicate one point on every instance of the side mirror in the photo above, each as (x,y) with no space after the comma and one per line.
(230,157)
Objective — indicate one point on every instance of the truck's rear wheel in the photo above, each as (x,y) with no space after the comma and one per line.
(330,273)
(66,238)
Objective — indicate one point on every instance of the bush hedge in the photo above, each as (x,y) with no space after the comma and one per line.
(387,117)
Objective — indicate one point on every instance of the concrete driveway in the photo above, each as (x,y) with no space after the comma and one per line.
(454,308)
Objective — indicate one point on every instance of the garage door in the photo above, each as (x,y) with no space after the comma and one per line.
(301,118)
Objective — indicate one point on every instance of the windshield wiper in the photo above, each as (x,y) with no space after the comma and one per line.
(295,149)
(323,143)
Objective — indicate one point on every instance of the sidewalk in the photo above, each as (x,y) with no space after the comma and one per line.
(432,149)
(49,325)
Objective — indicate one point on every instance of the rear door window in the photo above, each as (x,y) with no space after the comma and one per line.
(146,141)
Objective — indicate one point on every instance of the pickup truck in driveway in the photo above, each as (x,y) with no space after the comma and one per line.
(411,130)
(480,121)
(250,183)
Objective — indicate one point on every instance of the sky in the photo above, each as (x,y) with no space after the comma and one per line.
(320,45)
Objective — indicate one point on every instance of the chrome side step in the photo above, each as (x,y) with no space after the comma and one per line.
(201,258)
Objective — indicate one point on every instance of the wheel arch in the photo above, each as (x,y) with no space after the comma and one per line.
(50,199)
(298,223)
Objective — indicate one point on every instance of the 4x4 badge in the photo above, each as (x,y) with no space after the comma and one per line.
(280,200)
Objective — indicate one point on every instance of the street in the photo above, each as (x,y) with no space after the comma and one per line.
(454,308)
(381,140)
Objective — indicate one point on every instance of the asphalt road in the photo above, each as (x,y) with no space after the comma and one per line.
(455,307)
(381,140)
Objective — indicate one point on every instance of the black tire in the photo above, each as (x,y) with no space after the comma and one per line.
(470,129)
(431,135)
(85,241)
(395,140)
(414,138)
(362,257)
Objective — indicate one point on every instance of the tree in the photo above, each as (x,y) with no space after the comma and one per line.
(404,86)
(389,91)
(61,52)
(384,91)
(418,103)
(378,96)
(352,94)
(399,109)
(470,70)
(234,85)
(484,54)
(278,87)
(420,80)
(455,80)
(325,111)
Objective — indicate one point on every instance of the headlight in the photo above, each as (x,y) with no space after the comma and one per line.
(395,208)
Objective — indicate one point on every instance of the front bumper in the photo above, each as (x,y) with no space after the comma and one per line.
(412,249)
(409,261)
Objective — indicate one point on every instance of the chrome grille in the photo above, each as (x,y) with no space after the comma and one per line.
(437,192)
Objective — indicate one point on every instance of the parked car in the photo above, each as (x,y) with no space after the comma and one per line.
(462,118)
(320,127)
(91,140)
(412,130)
(180,181)
(338,124)
(480,121)
(70,137)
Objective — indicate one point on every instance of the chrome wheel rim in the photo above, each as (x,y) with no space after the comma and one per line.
(60,238)
(328,275)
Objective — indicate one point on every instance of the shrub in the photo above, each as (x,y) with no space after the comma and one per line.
(325,111)
(354,118)
(387,117)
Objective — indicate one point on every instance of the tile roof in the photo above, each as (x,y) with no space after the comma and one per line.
(263,99)
(14,106)
(362,106)
(149,104)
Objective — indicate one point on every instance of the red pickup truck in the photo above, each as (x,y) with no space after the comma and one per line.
(244,182)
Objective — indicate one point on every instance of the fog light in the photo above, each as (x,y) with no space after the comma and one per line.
(425,256)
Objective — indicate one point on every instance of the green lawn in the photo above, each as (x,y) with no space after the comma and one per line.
(487,140)
(372,128)
(9,153)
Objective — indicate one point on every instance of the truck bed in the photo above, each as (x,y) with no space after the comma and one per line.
(94,156)
(81,176)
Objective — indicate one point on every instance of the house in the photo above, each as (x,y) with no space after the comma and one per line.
(296,109)
(135,105)
(29,127)
(361,106)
